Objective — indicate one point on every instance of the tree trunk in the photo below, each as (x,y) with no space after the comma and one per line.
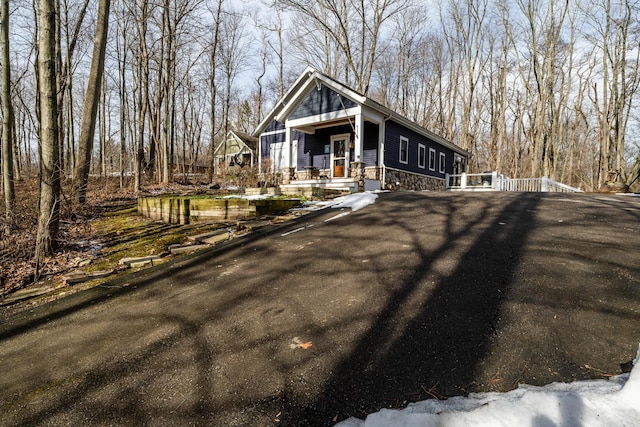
(143,95)
(213,87)
(7,120)
(87,130)
(48,219)
(166,87)
(122,59)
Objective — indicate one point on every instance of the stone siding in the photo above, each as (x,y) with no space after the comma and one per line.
(396,180)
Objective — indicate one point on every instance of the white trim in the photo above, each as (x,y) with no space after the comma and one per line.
(406,141)
(442,162)
(346,137)
(320,118)
(293,156)
(422,158)
(277,155)
(284,100)
(432,167)
(273,132)
(358,137)
(372,115)
(288,144)
(259,150)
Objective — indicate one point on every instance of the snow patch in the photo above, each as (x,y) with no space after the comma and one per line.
(355,201)
(248,197)
(582,403)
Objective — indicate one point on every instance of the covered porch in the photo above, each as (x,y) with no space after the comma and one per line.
(338,150)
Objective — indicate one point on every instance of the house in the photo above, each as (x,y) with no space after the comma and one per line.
(239,149)
(324,134)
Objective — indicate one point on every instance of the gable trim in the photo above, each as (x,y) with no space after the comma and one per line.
(326,117)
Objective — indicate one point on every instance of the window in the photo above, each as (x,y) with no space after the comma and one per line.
(422,156)
(442,162)
(404,150)
(432,159)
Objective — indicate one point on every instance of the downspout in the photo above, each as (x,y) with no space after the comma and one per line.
(259,154)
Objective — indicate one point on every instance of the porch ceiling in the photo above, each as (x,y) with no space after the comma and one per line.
(310,129)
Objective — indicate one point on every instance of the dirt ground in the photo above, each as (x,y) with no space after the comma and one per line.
(84,231)
(338,314)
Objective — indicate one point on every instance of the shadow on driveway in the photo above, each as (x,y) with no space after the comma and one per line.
(427,345)
(421,295)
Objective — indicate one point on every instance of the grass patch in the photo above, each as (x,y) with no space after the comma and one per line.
(123,234)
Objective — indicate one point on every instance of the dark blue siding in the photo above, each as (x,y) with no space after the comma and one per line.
(370,157)
(321,101)
(266,140)
(370,144)
(392,151)
(321,161)
(273,126)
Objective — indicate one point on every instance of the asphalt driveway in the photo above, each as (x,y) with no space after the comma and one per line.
(339,314)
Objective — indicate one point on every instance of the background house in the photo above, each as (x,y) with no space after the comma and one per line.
(324,134)
(239,149)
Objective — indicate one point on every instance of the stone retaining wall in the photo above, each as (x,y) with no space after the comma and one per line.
(183,210)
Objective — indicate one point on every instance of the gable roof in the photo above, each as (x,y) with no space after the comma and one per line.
(245,139)
(249,140)
(312,78)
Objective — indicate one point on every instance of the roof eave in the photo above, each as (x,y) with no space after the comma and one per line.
(390,114)
(284,100)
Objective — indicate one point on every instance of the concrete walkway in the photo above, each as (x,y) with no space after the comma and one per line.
(419,295)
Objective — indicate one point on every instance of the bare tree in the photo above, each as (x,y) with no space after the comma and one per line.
(87,131)
(49,211)
(122,56)
(538,48)
(8,124)
(468,37)
(354,27)
(142,84)
(213,84)
(618,58)
(65,77)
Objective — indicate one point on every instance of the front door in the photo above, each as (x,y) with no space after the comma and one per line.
(339,160)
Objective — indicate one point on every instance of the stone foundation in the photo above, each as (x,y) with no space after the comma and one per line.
(396,180)
(370,172)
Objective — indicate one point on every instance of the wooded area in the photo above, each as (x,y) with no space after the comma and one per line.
(529,87)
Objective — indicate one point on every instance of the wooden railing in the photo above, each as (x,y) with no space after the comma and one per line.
(492,181)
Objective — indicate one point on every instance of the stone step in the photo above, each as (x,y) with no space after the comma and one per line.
(24,294)
(182,249)
(79,277)
(253,225)
(214,233)
(139,261)
(218,238)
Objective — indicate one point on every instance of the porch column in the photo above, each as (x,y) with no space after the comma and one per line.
(288,170)
(358,138)
(287,146)
(259,155)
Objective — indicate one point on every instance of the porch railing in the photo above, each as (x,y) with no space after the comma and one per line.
(492,181)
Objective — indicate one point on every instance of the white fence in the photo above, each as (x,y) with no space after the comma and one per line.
(492,181)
